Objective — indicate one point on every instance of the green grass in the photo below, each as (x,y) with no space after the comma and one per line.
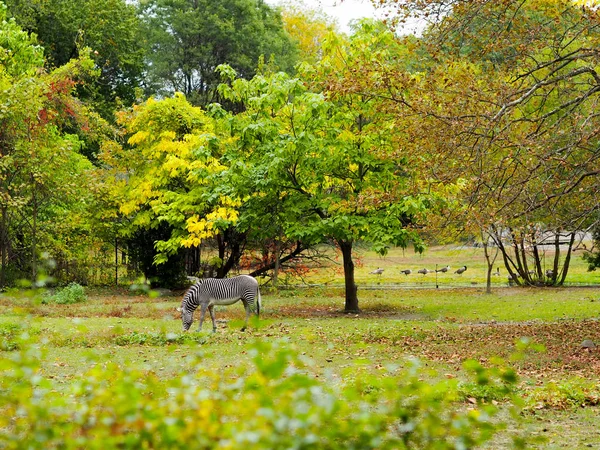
(453,255)
(442,327)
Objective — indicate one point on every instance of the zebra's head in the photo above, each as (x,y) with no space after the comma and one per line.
(186,318)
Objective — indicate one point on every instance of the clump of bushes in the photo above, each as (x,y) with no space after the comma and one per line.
(565,395)
(8,336)
(73,293)
(273,403)
(158,339)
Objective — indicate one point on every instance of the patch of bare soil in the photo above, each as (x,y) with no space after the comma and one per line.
(562,341)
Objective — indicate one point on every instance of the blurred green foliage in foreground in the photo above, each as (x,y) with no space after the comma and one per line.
(272,403)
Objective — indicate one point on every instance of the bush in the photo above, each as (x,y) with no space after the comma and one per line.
(8,336)
(274,404)
(73,293)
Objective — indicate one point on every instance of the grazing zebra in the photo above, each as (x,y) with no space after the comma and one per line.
(219,291)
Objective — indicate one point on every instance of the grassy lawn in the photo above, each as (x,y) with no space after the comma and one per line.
(437,257)
(442,327)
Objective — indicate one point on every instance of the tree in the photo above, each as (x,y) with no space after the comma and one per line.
(38,162)
(189,39)
(513,87)
(166,177)
(328,157)
(308,27)
(592,257)
(109,27)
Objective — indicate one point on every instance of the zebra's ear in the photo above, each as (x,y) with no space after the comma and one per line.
(178,309)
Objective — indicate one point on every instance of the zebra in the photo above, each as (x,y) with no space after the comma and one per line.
(209,292)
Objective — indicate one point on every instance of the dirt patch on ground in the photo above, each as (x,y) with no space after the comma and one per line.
(562,341)
(313,311)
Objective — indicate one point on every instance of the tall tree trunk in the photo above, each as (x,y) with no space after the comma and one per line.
(527,275)
(556,257)
(489,260)
(351,289)
(565,269)
(234,242)
(515,245)
(536,257)
(508,262)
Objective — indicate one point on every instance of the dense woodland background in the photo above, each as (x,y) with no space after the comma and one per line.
(196,137)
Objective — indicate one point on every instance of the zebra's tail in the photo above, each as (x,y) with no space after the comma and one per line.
(258,301)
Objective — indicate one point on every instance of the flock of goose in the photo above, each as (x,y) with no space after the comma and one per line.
(459,271)
(424,271)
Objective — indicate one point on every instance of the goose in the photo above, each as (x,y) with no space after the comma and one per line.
(461,270)
(406,271)
(424,271)
(497,272)
(377,271)
(444,269)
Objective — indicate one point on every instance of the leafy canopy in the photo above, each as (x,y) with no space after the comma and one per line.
(168,172)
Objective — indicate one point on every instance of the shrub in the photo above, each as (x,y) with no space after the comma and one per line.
(159,339)
(73,293)
(565,395)
(276,403)
(8,336)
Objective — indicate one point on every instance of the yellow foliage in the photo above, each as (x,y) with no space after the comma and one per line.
(173,165)
(138,138)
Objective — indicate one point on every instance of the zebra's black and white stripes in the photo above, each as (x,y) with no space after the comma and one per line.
(219,291)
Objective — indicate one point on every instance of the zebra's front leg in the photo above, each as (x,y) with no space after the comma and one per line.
(212,316)
(203,308)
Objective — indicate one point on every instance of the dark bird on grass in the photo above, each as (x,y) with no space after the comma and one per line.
(444,269)
(424,271)
(461,270)
(377,271)
(497,272)
(549,273)
(406,271)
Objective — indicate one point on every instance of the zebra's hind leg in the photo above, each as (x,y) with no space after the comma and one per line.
(247,308)
(212,316)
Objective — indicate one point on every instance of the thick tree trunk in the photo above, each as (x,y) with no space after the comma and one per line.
(233,242)
(351,289)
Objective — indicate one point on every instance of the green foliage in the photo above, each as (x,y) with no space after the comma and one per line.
(593,257)
(159,339)
(73,293)
(19,51)
(167,183)
(109,27)
(42,175)
(187,40)
(9,333)
(566,394)
(319,164)
(273,404)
